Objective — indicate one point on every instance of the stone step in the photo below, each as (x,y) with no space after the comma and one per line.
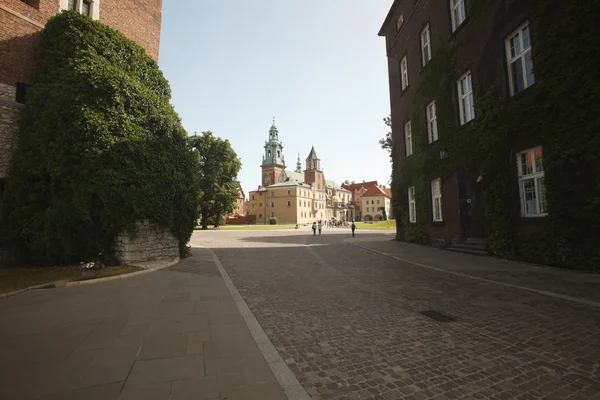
(475,241)
(467,250)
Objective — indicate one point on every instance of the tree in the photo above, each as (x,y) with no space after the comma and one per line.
(100,147)
(387,142)
(218,169)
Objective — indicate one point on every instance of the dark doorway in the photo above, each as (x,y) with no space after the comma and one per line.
(471,206)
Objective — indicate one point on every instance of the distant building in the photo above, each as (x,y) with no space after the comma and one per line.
(239,207)
(298,196)
(357,190)
(376,204)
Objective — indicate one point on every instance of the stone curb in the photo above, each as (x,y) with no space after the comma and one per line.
(48,285)
(527,289)
(124,276)
(285,377)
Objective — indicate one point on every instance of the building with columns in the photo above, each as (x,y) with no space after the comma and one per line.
(295,196)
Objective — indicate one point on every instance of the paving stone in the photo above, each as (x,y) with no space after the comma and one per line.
(165,370)
(99,392)
(203,388)
(160,391)
(255,392)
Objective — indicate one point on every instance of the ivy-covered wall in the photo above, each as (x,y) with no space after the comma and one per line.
(99,148)
(560,111)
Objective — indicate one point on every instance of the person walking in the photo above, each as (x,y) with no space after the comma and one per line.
(320,227)
(353,227)
(314,228)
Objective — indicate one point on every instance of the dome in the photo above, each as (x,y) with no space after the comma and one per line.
(334,199)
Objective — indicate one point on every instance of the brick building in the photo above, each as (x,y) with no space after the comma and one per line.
(492,45)
(20,24)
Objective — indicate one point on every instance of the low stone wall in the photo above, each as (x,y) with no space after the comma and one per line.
(150,242)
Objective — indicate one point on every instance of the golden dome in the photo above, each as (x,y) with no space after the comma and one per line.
(334,199)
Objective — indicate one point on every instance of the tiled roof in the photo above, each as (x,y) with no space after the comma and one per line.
(376,191)
(355,186)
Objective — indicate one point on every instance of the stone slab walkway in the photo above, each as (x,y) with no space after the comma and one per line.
(172,334)
(576,284)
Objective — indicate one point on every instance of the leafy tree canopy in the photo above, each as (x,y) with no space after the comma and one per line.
(100,147)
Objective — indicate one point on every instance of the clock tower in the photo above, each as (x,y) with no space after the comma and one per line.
(273,161)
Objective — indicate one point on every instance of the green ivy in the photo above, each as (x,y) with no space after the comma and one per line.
(100,147)
(565,109)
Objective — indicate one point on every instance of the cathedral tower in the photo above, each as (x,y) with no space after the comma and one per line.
(273,161)
(313,175)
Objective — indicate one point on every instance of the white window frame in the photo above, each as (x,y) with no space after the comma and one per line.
(426,45)
(537,176)
(458,13)
(432,127)
(94,7)
(404,72)
(412,205)
(524,54)
(436,200)
(465,98)
(408,143)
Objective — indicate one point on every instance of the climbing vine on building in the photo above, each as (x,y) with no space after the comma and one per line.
(100,147)
(564,110)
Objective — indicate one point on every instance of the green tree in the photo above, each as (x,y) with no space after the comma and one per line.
(387,142)
(218,169)
(100,147)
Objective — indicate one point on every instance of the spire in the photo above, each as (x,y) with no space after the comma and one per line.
(273,132)
(273,148)
(313,162)
(299,164)
(313,154)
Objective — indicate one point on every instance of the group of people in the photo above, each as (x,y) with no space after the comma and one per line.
(339,224)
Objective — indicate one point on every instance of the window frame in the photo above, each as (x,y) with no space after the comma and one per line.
(89,5)
(408,143)
(466,96)
(436,207)
(432,126)
(399,22)
(522,55)
(426,45)
(404,73)
(534,176)
(454,5)
(412,205)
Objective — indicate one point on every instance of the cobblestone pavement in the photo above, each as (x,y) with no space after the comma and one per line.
(347,321)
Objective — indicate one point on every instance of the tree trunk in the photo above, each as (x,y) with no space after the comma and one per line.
(204,215)
(217,218)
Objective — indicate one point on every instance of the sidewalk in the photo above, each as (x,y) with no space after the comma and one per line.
(579,285)
(172,334)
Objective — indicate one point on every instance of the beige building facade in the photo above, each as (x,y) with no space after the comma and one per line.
(376,204)
(298,196)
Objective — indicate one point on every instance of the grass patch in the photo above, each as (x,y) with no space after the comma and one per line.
(249,227)
(381,225)
(16,278)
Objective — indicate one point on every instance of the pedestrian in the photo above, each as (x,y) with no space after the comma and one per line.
(320,227)
(314,228)
(353,227)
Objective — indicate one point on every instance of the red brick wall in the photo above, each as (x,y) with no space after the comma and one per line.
(139,20)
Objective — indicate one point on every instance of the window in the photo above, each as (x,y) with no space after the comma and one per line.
(253,205)
(465,96)
(412,205)
(289,192)
(272,204)
(273,214)
(518,55)
(458,13)
(260,204)
(86,8)
(399,22)
(426,45)
(71,5)
(531,183)
(432,128)
(408,139)
(436,197)
(272,194)
(404,72)
(252,197)
(377,201)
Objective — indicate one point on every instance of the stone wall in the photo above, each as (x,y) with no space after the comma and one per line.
(9,116)
(149,242)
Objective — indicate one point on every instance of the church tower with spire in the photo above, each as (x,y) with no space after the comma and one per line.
(299,165)
(273,161)
(313,174)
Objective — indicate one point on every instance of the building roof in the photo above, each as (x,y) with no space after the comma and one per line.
(387,18)
(376,191)
(355,186)
(313,154)
(295,176)
(289,183)
(388,191)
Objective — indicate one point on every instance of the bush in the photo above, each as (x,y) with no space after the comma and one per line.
(100,147)
(273,221)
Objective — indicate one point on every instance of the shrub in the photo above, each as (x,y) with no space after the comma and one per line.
(273,221)
(100,147)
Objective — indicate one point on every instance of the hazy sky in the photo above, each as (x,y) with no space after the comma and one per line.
(317,66)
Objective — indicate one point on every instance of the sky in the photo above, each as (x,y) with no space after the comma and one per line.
(317,66)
